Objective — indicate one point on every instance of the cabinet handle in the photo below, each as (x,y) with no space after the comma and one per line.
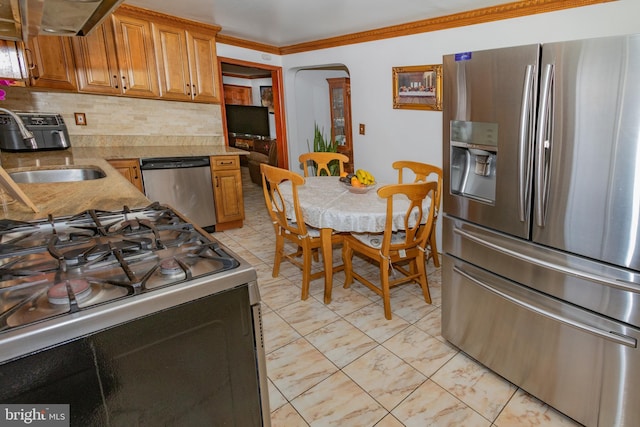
(124,83)
(30,64)
(135,172)
(115,81)
(217,182)
(188,89)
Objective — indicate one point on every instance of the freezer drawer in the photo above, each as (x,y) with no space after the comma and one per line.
(609,290)
(582,364)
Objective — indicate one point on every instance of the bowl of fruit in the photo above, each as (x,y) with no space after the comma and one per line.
(359,182)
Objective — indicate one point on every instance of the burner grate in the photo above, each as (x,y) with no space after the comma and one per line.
(58,266)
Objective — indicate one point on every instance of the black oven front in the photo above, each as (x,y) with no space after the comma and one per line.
(194,364)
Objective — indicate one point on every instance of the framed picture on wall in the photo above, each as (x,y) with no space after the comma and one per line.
(418,87)
(266,97)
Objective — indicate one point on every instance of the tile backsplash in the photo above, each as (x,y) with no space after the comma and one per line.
(122,121)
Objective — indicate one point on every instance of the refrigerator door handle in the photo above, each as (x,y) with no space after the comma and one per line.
(524,142)
(618,284)
(607,335)
(543,143)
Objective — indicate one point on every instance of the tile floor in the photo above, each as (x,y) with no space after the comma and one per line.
(343,364)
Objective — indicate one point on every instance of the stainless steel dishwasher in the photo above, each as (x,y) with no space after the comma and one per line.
(183,183)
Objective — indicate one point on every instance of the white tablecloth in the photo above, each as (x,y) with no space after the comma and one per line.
(327,203)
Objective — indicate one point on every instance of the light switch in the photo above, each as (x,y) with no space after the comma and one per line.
(361,128)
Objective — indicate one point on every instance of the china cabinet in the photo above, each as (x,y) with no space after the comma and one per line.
(340,103)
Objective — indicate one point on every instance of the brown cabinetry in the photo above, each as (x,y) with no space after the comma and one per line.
(97,63)
(130,169)
(134,52)
(238,95)
(227,191)
(136,55)
(12,64)
(340,104)
(50,63)
(187,63)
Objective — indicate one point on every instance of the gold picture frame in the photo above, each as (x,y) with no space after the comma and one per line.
(418,87)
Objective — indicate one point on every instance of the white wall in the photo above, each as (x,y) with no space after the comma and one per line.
(414,134)
(311,91)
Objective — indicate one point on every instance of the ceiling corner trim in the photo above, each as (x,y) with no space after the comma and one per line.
(477,16)
(233,41)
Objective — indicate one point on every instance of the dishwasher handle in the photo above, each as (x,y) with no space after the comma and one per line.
(173,162)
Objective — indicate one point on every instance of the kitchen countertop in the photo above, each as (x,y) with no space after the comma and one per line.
(110,193)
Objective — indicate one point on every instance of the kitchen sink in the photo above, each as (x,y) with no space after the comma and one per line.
(58,175)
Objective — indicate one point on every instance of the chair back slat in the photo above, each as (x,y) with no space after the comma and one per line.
(417,225)
(321,160)
(421,172)
(272,178)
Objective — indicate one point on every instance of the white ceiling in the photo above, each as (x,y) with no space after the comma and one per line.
(287,22)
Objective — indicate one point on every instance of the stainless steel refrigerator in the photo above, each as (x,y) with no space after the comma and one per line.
(541,224)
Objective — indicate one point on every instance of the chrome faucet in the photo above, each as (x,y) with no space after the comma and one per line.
(27,135)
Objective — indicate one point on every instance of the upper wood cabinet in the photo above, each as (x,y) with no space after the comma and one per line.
(187,63)
(136,55)
(50,62)
(134,52)
(12,65)
(97,63)
(118,58)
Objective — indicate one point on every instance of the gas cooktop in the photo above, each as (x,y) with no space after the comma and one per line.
(60,266)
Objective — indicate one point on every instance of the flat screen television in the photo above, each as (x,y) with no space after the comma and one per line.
(247,120)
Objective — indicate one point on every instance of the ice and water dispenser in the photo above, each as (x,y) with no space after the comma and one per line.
(474,153)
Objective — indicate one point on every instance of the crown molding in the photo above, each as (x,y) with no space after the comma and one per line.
(154,16)
(221,38)
(477,16)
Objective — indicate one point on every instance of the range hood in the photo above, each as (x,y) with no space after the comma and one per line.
(20,19)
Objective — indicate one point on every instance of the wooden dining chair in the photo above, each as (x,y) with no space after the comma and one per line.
(425,172)
(395,251)
(290,226)
(322,161)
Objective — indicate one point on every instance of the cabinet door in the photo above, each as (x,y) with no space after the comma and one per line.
(227,189)
(12,64)
(239,95)
(96,63)
(203,63)
(227,193)
(173,65)
(53,66)
(136,56)
(130,169)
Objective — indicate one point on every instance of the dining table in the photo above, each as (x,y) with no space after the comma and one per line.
(331,206)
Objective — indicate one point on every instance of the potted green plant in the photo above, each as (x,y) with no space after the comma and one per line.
(322,144)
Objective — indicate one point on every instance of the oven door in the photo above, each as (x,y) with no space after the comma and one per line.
(193,364)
